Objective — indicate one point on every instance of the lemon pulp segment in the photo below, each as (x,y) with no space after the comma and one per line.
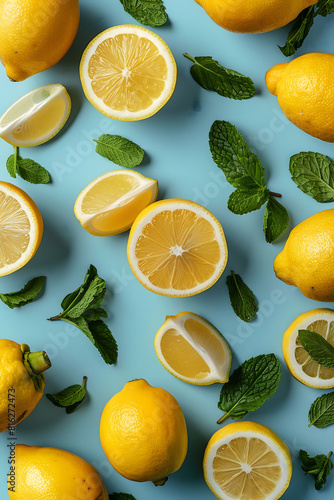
(246,469)
(14,230)
(178,250)
(310,367)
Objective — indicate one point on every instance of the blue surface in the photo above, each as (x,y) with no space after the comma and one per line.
(176,142)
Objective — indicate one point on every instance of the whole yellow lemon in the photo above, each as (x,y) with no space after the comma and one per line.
(254,16)
(143,433)
(52,474)
(21,382)
(36,34)
(307,260)
(305,91)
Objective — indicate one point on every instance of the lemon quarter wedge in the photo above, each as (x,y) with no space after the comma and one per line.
(110,203)
(247,461)
(193,350)
(128,72)
(21,228)
(36,117)
(299,362)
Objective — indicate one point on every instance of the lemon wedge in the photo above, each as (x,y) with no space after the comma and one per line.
(36,117)
(128,72)
(21,228)
(193,350)
(110,203)
(177,248)
(300,364)
(247,461)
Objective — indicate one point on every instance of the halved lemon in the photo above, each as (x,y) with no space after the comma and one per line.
(128,72)
(247,461)
(193,350)
(300,364)
(177,248)
(21,228)
(110,203)
(36,117)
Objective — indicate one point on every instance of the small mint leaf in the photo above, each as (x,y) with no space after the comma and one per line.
(148,12)
(24,296)
(70,398)
(275,220)
(119,150)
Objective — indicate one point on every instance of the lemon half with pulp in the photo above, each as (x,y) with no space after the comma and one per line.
(128,72)
(299,362)
(36,117)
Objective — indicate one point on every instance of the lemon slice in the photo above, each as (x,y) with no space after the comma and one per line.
(300,364)
(128,72)
(193,350)
(21,228)
(247,461)
(110,204)
(177,248)
(36,117)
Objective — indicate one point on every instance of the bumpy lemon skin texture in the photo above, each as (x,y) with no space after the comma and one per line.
(54,474)
(253,16)
(305,92)
(36,34)
(307,259)
(143,433)
(13,375)
(237,427)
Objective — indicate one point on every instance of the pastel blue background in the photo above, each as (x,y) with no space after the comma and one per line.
(176,142)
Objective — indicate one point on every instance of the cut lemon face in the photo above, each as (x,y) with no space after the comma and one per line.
(21,228)
(177,248)
(193,350)
(300,364)
(128,72)
(247,461)
(36,117)
(110,204)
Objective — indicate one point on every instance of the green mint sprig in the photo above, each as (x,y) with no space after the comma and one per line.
(317,347)
(250,385)
(121,496)
(119,150)
(321,413)
(320,467)
(243,170)
(27,294)
(83,309)
(70,398)
(27,169)
(314,175)
(303,24)
(148,12)
(242,298)
(210,75)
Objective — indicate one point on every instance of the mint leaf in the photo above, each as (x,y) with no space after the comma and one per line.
(148,12)
(243,201)
(210,75)
(325,7)
(314,175)
(27,169)
(121,496)
(275,220)
(119,150)
(242,298)
(321,412)
(320,467)
(250,386)
(70,398)
(232,155)
(27,294)
(82,309)
(299,31)
(317,347)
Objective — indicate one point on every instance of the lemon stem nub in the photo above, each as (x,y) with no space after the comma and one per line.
(38,362)
(160,482)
